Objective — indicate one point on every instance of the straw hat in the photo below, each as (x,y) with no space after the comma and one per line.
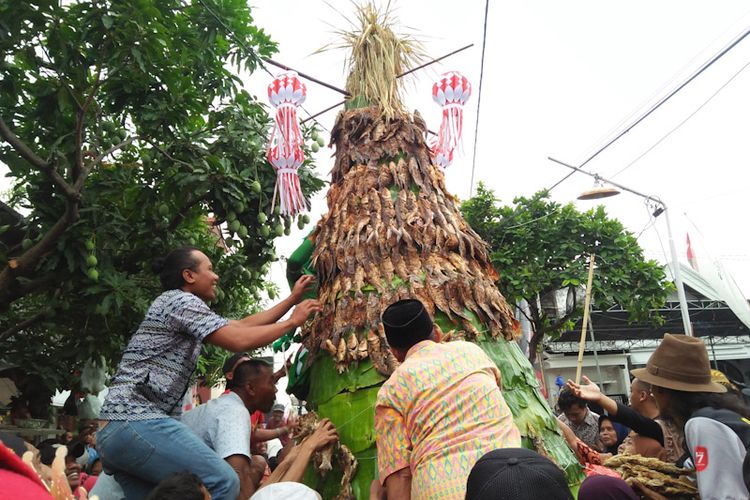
(680,363)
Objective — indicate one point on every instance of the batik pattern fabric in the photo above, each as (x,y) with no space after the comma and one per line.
(439,412)
(159,361)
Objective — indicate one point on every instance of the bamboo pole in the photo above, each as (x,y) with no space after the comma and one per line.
(582,343)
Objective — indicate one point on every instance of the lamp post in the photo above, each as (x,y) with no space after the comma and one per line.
(604,193)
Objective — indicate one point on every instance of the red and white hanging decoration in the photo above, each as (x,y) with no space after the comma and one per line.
(285,153)
(451,92)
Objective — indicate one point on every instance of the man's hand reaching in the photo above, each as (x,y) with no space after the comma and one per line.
(302,286)
(324,435)
(586,390)
(303,310)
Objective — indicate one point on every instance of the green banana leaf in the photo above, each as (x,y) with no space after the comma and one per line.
(327,381)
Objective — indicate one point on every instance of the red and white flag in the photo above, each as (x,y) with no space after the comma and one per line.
(690,255)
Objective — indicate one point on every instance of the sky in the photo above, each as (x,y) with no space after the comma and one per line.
(560,80)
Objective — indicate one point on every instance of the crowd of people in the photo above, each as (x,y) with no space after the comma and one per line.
(443,429)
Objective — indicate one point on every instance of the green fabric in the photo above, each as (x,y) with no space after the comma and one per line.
(300,263)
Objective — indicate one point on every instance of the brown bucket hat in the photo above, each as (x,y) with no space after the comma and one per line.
(680,363)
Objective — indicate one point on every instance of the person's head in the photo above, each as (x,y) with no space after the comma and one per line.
(518,474)
(573,407)
(87,435)
(607,432)
(286,490)
(599,487)
(48,450)
(231,364)
(94,468)
(66,437)
(253,382)
(277,413)
(188,269)
(72,471)
(406,323)
(680,376)
(641,399)
(180,486)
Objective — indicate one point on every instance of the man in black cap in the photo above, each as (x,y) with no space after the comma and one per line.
(440,410)
(516,474)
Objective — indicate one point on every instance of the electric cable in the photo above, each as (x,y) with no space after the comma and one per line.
(479,98)
(661,101)
(681,123)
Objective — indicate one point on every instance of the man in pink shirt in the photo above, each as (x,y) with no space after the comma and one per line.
(439,412)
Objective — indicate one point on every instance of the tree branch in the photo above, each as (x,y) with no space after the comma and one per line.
(27,262)
(27,154)
(78,164)
(170,157)
(14,217)
(183,212)
(22,325)
(108,152)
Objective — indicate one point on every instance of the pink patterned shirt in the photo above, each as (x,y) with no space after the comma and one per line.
(437,414)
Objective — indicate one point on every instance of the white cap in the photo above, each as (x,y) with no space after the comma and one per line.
(286,491)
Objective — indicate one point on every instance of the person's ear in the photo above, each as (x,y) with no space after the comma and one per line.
(187,276)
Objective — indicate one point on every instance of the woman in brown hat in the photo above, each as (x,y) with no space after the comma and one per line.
(716,427)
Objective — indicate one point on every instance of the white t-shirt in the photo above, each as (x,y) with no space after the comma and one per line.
(717,454)
(273,447)
(223,424)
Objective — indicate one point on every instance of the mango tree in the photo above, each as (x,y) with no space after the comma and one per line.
(126,132)
(542,246)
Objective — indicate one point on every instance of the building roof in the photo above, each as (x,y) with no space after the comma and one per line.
(716,306)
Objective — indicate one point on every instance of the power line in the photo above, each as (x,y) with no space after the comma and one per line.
(479,98)
(661,101)
(263,66)
(681,123)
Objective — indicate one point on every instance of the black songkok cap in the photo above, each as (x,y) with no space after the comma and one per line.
(406,322)
(516,474)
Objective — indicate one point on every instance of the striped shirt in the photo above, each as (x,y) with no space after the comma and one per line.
(159,361)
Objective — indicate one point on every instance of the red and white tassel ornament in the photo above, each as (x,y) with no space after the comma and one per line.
(285,153)
(451,92)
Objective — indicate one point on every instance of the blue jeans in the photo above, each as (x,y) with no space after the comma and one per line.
(140,454)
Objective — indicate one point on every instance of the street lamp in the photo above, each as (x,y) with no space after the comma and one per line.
(604,192)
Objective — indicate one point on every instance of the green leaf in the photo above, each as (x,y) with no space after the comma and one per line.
(107,21)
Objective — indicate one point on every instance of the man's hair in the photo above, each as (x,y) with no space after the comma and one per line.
(567,400)
(248,371)
(170,268)
(180,486)
(640,385)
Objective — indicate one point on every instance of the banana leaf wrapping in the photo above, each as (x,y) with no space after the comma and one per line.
(393,231)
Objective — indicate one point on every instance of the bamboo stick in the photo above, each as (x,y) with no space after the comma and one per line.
(582,343)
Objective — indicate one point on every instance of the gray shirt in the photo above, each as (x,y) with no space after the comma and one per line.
(160,358)
(223,424)
(717,454)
